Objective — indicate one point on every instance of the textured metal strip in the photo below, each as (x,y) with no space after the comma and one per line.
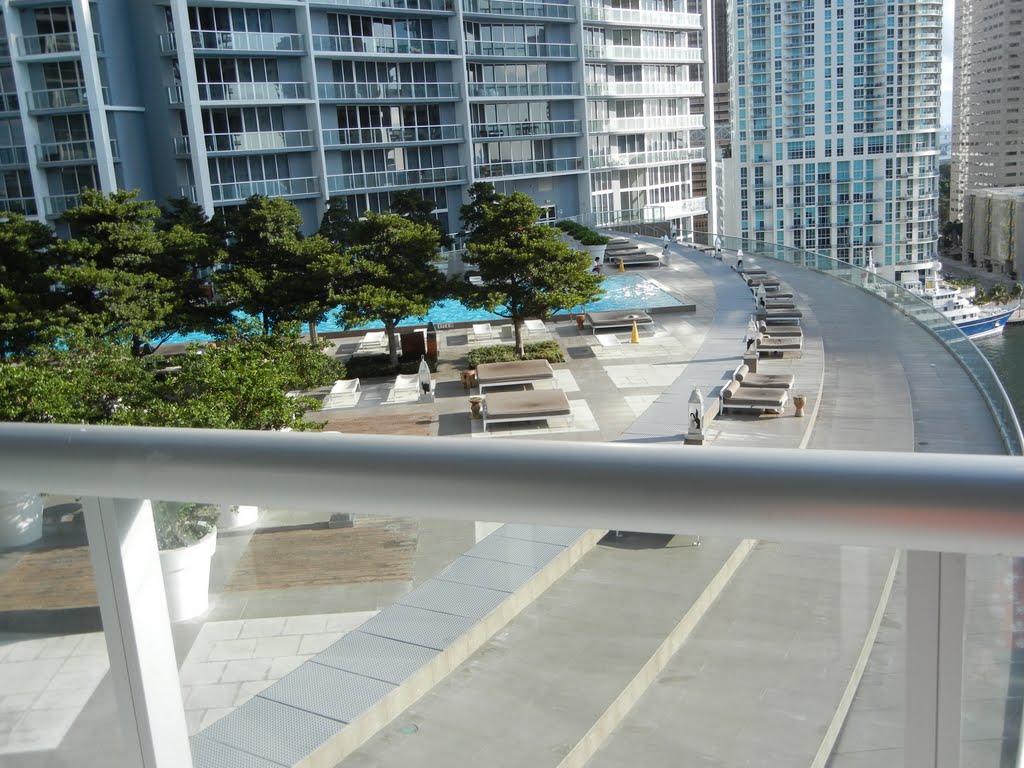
(530,553)
(373,656)
(418,626)
(458,599)
(487,573)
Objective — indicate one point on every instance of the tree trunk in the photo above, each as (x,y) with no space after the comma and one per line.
(313,335)
(517,323)
(389,329)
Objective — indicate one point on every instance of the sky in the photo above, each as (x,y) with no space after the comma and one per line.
(946,110)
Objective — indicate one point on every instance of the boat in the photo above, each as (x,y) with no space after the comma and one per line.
(957,306)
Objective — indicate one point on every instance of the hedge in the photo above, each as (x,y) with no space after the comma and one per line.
(506,353)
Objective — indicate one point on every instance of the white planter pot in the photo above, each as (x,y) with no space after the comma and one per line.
(596,252)
(187,577)
(21,518)
(237,517)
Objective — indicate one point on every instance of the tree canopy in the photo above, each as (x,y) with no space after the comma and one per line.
(27,302)
(526,269)
(394,274)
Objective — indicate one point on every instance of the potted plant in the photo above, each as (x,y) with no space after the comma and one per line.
(186,535)
(21,518)
(237,516)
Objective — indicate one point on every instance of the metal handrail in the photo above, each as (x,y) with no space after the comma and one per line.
(906,500)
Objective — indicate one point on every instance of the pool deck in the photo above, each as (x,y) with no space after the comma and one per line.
(876,383)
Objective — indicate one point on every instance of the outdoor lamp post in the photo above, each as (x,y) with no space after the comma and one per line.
(695,431)
(718,247)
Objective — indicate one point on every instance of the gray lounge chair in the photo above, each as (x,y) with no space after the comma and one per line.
(769,313)
(531,405)
(737,397)
(779,329)
(518,372)
(763,380)
(618,319)
(769,345)
(767,282)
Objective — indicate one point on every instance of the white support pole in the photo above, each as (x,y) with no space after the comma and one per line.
(936,606)
(129,583)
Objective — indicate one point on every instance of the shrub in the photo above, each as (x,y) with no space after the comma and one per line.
(585,235)
(505,353)
(379,367)
(179,524)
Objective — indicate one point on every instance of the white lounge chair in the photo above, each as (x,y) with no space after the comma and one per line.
(409,389)
(482,331)
(508,333)
(373,341)
(535,328)
(344,394)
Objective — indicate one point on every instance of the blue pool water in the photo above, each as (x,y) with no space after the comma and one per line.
(620,292)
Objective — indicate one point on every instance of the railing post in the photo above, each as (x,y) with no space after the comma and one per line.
(133,606)
(936,600)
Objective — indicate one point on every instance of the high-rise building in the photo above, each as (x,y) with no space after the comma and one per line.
(988,95)
(836,117)
(584,107)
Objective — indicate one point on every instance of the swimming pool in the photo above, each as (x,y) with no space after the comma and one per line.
(624,291)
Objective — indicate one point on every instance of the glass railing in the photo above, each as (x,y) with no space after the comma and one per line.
(241,190)
(687,154)
(13,156)
(390,91)
(530,50)
(516,130)
(675,88)
(58,98)
(26,206)
(263,42)
(334,137)
(528,167)
(631,16)
(405,5)
(253,91)
(521,8)
(258,141)
(60,42)
(390,46)
(641,53)
(66,151)
(9,102)
(910,305)
(521,90)
(344,182)
(56,204)
(650,123)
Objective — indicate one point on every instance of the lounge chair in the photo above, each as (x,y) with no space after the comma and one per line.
(508,332)
(769,345)
(518,372)
(769,313)
(373,341)
(767,282)
(482,332)
(409,388)
(535,328)
(763,380)
(774,302)
(753,272)
(618,319)
(737,397)
(344,394)
(531,405)
(779,329)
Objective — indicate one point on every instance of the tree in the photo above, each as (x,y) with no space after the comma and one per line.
(481,196)
(27,295)
(394,275)
(527,270)
(999,294)
(412,206)
(272,269)
(337,222)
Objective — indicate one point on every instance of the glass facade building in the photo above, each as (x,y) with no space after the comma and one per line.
(584,107)
(836,109)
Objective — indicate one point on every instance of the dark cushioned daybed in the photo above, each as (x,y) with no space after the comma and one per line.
(737,397)
(531,405)
(618,319)
(517,372)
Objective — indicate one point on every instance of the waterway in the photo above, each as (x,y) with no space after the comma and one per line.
(1006,354)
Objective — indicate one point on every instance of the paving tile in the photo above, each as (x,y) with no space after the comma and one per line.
(305,625)
(214,695)
(269,627)
(229,650)
(245,670)
(272,647)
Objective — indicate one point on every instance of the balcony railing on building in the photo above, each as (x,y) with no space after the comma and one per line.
(490,49)
(66,152)
(517,130)
(53,44)
(260,42)
(259,141)
(650,123)
(55,205)
(348,182)
(26,206)
(641,17)
(9,102)
(13,156)
(240,190)
(402,5)
(521,9)
(642,53)
(528,167)
(523,90)
(387,91)
(384,46)
(61,99)
(618,160)
(646,88)
(420,134)
(244,92)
